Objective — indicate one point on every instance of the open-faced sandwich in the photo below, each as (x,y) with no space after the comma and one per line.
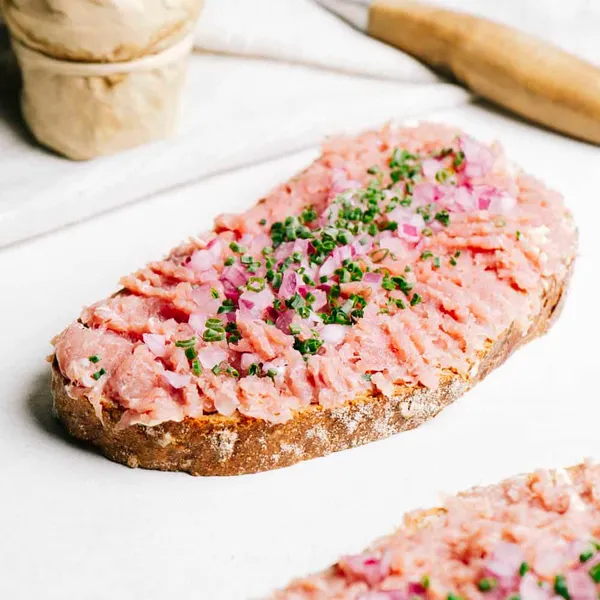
(533,537)
(354,301)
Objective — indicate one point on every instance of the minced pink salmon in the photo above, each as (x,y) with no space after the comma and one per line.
(393,257)
(533,537)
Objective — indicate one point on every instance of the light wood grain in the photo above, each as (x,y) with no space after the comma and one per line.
(517,71)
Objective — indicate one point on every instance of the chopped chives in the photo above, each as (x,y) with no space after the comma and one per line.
(595,573)
(586,555)
(210,335)
(443,217)
(186,343)
(416,299)
(196,367)
(458,159)
(560,587)
(235,247)
(487,584)
(99,374)
(256,284)
(227,306)
(191,353)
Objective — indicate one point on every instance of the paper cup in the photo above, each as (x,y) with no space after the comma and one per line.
(100,31)
(84,110)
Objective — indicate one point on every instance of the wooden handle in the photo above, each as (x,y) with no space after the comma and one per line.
(517,71)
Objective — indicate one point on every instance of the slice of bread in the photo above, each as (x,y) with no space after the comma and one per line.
(219,445)
(531,537)
(483,283)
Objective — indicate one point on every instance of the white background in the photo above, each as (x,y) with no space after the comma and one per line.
(75,526)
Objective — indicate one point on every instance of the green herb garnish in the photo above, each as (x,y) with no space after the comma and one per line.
(99,374)
(196,367)
(560,587)
(416,299)
(443,217)
(256,284)
(595,573)
(191,353)
(487,584)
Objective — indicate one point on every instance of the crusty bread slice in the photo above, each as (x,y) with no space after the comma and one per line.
(219,445)
(529,536)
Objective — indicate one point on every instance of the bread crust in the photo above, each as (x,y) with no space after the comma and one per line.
(218,445)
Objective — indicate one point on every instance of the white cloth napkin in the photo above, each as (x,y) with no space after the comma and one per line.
(320,77)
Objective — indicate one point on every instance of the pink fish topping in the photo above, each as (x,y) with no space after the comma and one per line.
(393,257)
(528,538)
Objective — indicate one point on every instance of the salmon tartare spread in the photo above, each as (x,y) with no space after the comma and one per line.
(533,537)
(392,259)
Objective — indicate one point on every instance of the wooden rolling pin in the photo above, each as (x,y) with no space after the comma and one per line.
(515,70)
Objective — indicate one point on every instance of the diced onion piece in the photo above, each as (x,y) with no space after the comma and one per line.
(156,344)
(210,357)
(177,380)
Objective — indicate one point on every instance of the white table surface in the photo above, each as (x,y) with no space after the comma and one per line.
(73,525)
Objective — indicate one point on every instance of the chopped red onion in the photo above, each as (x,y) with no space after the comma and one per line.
(204,260)
(425,193)
(320,299)
(505,562)
(155,343)
(177,380)
(203,296)
(479,159)
(386,595)
(359,249)
(416,588)
(581,586)
(333,333)
(289,284)
(211,356)
(284,320)
(201,260)
(371,277)
(530,590)
(197,322)
(247,359)
(368,568)
(277,365)
(256,302)
(234,275)
(431,166)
